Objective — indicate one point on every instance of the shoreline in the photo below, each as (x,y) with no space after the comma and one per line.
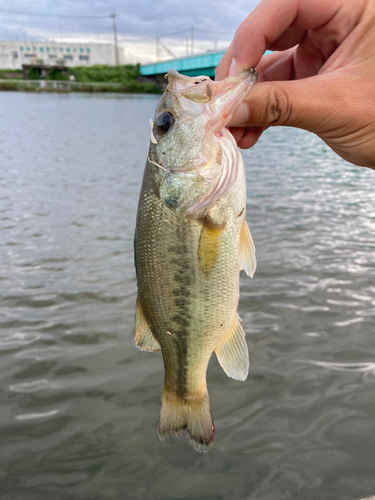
(123,79)
(67,86)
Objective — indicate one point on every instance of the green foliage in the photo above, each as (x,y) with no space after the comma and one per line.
(140,88)
(10,74)
(55,74)
(15,86)
(133,87)
(33,74)
(8,86)
(106,74)
(125,76)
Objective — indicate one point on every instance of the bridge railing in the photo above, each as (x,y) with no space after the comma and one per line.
(190,65)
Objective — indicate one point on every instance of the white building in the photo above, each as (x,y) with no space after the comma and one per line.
(14,54)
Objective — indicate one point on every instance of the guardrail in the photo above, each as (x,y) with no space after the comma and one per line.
(189,65)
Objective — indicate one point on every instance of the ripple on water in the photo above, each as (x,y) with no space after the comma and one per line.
(80,404)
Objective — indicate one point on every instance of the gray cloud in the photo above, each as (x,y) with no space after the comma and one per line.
(141,20)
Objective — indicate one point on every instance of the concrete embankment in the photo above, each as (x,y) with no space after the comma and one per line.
(72,86)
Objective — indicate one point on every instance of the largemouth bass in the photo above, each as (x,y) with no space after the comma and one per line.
(191,241)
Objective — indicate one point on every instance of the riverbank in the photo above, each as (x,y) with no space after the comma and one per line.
(72,86)
(122,79)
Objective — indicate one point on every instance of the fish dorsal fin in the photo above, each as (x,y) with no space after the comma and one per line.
(143,337)
(209,246)
(246,253)
(233,354)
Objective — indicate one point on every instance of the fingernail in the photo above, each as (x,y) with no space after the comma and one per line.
(233,67)
(240,116)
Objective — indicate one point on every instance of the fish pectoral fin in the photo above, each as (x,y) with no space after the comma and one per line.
(246,253)
(233,354)
(143,337)
(209,246)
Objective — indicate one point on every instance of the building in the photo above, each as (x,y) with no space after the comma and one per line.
(14,54)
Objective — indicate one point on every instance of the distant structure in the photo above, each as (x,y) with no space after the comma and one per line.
(14,54)
(44,69)
(193,65)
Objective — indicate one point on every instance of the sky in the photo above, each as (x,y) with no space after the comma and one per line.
(139,23)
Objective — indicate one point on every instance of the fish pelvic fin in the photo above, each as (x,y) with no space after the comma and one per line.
(233,354)
(143,337)
(187,417)
(246,253)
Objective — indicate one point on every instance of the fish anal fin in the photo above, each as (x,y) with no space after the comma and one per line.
(209,246)
(233,354)
(246,253)
(143,337)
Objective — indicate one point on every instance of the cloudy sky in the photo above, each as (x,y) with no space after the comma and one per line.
(139,22)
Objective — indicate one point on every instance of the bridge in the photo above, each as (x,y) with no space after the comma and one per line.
(200,64)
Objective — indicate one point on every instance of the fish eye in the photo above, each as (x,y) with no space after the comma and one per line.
(165,121)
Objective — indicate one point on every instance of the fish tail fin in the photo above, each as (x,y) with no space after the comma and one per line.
(179,417)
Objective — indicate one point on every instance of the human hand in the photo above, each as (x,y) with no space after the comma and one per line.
(321,79)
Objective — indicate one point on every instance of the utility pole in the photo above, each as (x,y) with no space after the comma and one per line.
(115,37)
(98,31)
(166,49)
(187,46)
(192,41)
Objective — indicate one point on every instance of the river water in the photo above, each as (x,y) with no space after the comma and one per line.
(80,404)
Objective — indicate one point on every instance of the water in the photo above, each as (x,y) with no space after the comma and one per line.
(80,404)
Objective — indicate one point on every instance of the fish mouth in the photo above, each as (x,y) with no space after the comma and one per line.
(202,89)
(217,99)
(250,74)
(179,82)
(229,93)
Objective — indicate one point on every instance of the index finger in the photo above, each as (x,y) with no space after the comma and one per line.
(267,23)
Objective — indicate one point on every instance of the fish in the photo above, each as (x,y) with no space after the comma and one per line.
(191,241)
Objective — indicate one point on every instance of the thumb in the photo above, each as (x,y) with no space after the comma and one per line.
(311,103)
(337,106)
